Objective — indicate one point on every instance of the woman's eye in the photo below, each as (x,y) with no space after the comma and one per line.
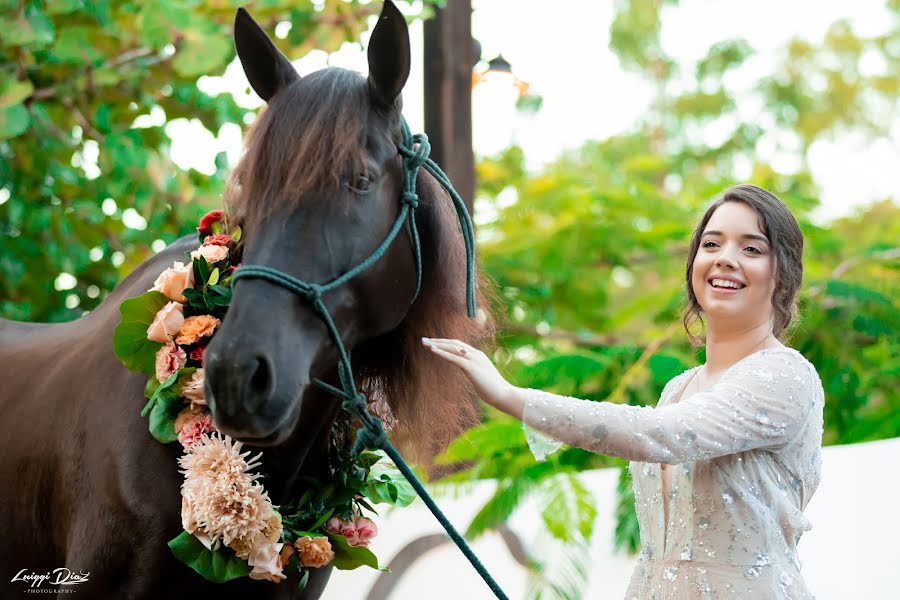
(753,249)
(360,184)
(708,244)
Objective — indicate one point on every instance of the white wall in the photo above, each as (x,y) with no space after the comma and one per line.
(850,552)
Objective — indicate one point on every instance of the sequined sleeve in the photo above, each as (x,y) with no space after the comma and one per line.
(761,402)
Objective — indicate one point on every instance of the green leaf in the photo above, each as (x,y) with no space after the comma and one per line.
(13,92)
(388,485)
(484,440)
(217,566)
(203,54)
(76,45)
(236,234)
(130,342)
(570,512)
(213,277)
(14,120)
(347,557)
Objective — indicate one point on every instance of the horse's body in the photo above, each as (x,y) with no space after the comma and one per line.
(84,486)
(88,488)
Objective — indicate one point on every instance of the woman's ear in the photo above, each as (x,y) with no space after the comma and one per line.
(389,56)
(267,69)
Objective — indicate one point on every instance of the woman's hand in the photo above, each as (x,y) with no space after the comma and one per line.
(488,382)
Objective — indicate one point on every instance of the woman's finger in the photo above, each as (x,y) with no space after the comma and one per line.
(450,355)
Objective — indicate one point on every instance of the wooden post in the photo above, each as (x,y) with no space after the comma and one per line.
(449,57)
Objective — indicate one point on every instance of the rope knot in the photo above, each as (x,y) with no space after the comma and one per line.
(356,404)
(411,199)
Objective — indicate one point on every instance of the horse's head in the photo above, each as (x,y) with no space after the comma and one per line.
(317,191)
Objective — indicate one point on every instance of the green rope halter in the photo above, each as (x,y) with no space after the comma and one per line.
(414,150)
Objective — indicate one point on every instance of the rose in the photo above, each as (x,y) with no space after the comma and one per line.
(174,280)
(196,327)
(344,528)
(220,239)
(365,531)
(193,389)
(167,323)
(286,552)
(212,254)
(210,219)
(266,563)
(314,552)
(169,359)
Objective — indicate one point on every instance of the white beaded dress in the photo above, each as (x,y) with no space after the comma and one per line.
(746,456)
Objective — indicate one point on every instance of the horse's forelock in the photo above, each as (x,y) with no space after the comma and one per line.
(306,138)
(430,401)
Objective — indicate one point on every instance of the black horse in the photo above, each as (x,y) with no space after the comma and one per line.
(86,487)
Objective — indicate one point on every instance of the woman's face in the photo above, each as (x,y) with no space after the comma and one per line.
(734,269)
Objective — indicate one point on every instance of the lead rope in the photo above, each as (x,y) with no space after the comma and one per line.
(414,150)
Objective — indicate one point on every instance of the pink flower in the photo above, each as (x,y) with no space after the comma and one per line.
(333,525)
(220,239)
(174,280)
(166,323)
(169,359)
(193,389)
(193,429)
(365,531)
(212,254)
(209,219)
(266,563)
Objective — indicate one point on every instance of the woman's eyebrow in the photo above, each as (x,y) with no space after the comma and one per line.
(746,236)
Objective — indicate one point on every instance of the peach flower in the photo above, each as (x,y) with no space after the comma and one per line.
(166,323)
(286,552)
(196,327)
(193,389)
(314,552)
(174,280)
(212,254)
(365,531)
(266,563)
(169,359)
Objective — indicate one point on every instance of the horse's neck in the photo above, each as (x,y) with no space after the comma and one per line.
(305,452)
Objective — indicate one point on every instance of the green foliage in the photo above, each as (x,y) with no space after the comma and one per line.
(130,342)
(590,257)
(347,557)
(218,565)
(75,77)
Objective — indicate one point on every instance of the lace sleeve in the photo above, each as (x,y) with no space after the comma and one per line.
(760,402)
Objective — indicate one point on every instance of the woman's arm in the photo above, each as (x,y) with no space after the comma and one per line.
(761,403)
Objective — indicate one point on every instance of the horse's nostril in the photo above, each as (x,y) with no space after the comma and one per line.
(259,385)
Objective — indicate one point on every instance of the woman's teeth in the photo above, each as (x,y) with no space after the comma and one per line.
(725,283)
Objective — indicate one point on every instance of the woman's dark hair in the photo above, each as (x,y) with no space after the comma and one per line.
(786,241)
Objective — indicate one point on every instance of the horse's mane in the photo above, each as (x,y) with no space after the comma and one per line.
(424,400)
(298,142)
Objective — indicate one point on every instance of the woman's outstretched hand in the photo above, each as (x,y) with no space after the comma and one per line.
(488,382)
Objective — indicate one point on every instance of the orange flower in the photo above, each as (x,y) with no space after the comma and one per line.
(286,551)
(195,328)
(314,552)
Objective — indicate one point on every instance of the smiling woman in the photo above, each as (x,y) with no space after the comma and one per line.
(745,429)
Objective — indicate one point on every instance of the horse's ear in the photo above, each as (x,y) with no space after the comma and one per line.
(267,69)
(389,55)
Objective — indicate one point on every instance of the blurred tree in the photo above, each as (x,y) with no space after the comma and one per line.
(590,257)
(86,187)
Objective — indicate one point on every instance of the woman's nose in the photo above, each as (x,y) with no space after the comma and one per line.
(726,259)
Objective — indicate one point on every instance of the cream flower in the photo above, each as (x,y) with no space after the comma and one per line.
(174,280)
(166,323)
(196,327)
(266,563)
(193,389)
(224,498)
(212,254)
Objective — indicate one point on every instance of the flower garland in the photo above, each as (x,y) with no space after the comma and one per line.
(231,527)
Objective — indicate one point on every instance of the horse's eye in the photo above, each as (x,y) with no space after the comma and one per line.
(360,184)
